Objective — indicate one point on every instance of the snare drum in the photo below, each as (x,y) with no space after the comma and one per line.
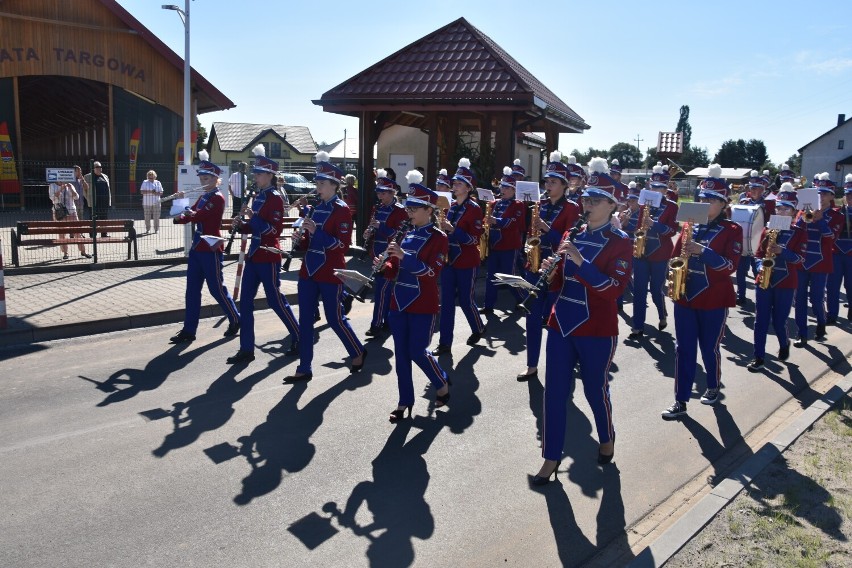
(750,218)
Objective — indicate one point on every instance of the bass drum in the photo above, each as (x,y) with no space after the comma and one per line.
(750,218)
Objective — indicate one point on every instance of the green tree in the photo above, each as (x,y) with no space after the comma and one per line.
(732,154)
(683,126)
(651,157)
(756,154)
(584,157)
(201,139)
(795,162)
(628,155)
(694,158)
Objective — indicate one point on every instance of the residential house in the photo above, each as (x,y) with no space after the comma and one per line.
(830,152)
(232,142)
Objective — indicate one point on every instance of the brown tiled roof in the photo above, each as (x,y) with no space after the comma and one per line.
(455,65)
(670,143)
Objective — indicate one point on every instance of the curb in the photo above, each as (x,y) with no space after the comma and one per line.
(693,521)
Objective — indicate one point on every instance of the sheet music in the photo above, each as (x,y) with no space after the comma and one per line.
(212,240)
(512,280)
(485,194)
(527,191)
(780,222)
(650,196)
(693,213)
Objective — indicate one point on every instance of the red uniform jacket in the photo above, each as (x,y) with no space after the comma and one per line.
(708,281)
(206,213)
(787,263)
(464,240)
(416,275)
(658,244)
(821,237)
(507,233)
(265,226)
(587,305)
(325,249)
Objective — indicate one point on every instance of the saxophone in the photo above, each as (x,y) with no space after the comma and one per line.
(676,277)
(486,229)
(533,247)
(768,261)
(641,234)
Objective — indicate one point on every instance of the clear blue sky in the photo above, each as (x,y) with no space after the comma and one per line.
(777,71)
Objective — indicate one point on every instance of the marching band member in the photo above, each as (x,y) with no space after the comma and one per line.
(557,214)
(621,191)
(414,265)
(649,271)
(775,302)
(463,225)
(507,227)
(327,236)
(713,253)
(822,233)
(842,258)
(754,196)
(265,223)
(518,171)
(205,259)
(386,218)
(577,181)
(629,221)
(583,325)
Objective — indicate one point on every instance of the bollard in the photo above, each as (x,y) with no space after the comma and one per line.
(4,322)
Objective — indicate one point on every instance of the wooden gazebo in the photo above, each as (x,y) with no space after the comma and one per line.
(455,76)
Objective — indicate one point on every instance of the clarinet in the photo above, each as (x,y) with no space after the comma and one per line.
(298,233)
(380,265)
(252,191)
(547,274)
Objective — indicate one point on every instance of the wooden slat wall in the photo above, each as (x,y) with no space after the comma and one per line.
(84,26)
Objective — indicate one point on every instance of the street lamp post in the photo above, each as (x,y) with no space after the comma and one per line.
(187,111)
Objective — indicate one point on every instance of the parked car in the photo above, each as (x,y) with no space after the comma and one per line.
(297,184)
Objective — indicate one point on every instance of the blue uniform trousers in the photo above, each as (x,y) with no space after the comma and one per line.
(268,274)
(309,292)
(539,311)
(816,282)
(201,267)
(595,357)
(647,273)
(842,273)
(411,336)
(382,289)
(772,305)
(458,283)
(503,261)
(694,329)
(746,263)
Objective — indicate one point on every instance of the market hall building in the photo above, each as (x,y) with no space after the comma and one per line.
(85,80)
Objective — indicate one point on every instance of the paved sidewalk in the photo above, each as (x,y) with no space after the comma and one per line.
(58,305)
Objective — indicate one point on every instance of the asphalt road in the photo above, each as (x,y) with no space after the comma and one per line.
(120,450)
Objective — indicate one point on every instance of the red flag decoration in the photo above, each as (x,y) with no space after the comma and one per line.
(134,148)
(179,156)
(8,171)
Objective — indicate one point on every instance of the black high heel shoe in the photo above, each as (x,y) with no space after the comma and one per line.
(356,368)
(399,414)
(441,400)
(538,480)
(604,459)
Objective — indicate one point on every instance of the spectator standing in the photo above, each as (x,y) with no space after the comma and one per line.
(236,185)
(81,186)
(350,195)
(66,194)
(99,195)
(152,191)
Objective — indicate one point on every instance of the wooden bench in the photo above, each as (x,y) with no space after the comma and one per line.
(228,223)
(41,231)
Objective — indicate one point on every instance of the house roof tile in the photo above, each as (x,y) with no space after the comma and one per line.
(238,136)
